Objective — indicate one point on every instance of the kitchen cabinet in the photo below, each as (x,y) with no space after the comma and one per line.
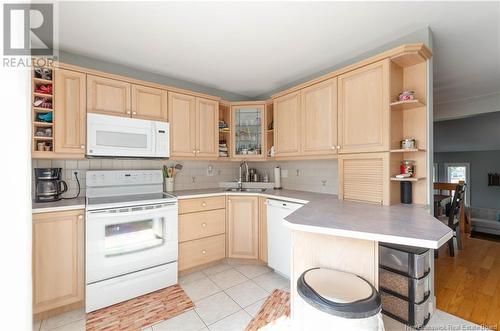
(202,228)
(243,227)
(193,126)
(248,131)
(287,127)
(58,259)
(149,103)
(364,177)
(207,128)
(364,110)
(319,118)
(70,114)
(263,229)
(108,96)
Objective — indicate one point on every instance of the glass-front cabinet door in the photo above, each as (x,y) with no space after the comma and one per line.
(248,131)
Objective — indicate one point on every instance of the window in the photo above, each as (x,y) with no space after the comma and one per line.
(435,173)
(457,172)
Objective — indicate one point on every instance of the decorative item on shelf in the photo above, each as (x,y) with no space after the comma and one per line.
(43,132)
(271,152)
(493,179)
(223,127)
(168,176)
(270,126)
(42,103)
(43,147)
(223,150)
(43,73)
(408,144)
(44,117)
(406,96)
(43,88)
(406,192)
(407,169)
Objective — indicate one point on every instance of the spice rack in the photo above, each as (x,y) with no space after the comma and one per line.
(42,104)
(409,121)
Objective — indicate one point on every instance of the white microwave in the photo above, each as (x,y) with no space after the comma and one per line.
(126,137)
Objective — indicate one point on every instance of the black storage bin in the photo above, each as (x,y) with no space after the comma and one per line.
(415,290)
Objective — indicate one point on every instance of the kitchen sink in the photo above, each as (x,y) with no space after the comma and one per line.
(256,190)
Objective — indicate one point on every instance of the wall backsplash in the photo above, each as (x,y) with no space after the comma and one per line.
(305,175)
(314,176)
(194,174)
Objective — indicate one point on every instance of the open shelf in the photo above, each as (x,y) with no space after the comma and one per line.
(409,179)
(42,81)
(407,150)
(42,110)
(42,95)
(42,124)
(42,138)
(409,104)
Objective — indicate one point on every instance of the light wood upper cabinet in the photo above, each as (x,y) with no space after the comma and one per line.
(58,255)
(149,103)
(207,128)
(182,117)
(108,96)
(287,125)
(319,118)
(70,113)
(243,227)
(364,111)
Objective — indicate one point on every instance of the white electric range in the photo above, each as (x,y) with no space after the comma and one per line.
(131,236)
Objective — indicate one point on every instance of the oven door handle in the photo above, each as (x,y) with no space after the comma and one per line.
(126,211)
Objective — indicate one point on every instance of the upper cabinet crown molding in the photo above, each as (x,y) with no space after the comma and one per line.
(108,96)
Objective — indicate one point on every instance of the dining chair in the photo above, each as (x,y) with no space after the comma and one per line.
(453,217)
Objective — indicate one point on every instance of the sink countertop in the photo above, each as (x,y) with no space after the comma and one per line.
(61,205)
(325,214)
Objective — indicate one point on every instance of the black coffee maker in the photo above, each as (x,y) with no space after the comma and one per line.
(48,184)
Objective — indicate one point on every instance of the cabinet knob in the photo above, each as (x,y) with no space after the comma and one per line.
(338,147)
(128,112)
(203,225)
(134,113)
(203,252)
(334,147)
(80,217)
(228,200)
(82,146)
(197,151)
(203,204)
(194,151)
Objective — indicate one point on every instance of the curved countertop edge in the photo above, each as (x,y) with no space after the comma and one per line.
(400,240)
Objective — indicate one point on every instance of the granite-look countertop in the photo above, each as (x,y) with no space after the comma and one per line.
(325,214)
(61,205)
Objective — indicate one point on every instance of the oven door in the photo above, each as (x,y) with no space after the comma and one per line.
(120,136)
(124,240)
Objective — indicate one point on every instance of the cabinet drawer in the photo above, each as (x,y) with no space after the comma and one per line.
(197,252)
(202,224)
(201,204)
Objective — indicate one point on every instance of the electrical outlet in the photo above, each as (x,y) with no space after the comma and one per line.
(297,172)
(193,179)
(284,173)
(210,170)
(323,182)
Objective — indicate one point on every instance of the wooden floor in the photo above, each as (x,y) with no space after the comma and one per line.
(468,285)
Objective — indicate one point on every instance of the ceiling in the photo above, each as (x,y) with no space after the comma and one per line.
(254,48)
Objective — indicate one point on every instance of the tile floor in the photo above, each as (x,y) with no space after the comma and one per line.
(226,297)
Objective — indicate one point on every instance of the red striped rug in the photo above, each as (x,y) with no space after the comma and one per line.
(140,312)
(277,305)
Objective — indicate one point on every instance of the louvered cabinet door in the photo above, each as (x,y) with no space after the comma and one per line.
(364,177)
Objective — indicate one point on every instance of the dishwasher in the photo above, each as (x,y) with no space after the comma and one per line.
(279,236)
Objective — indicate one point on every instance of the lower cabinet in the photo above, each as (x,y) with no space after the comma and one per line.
(58,259)
(202,228)
(201,251)
(243,227)
(263,229)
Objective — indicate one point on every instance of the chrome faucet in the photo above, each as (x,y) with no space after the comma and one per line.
(247,174)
